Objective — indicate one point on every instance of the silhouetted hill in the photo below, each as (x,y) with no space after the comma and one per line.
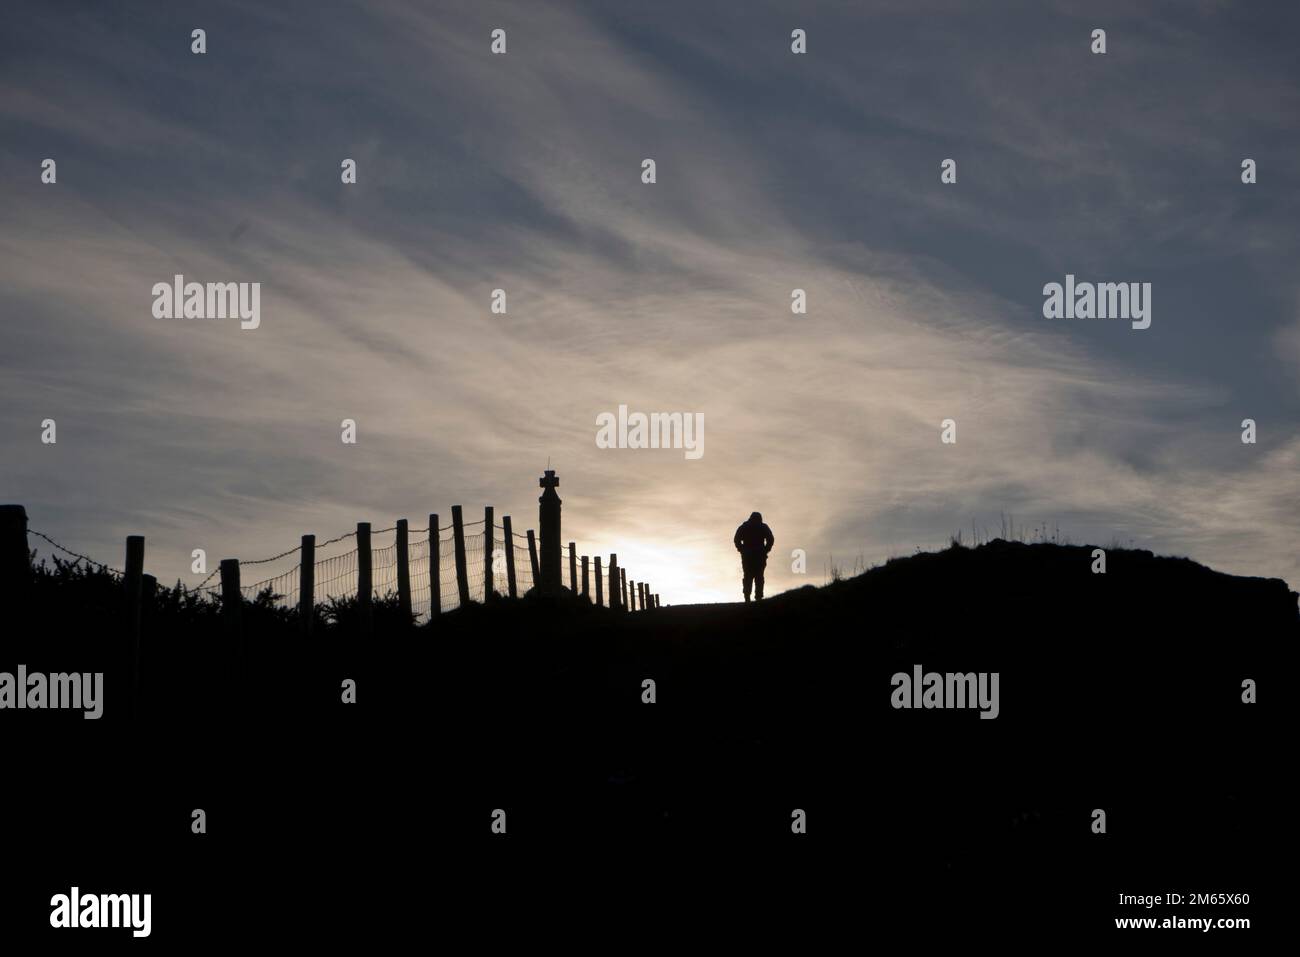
(1120,691)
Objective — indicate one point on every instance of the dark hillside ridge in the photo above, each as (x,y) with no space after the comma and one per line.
(1120,691)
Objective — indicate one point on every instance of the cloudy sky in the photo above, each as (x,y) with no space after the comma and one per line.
(775,171)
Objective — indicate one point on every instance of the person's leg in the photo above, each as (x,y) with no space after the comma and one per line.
(747,570)
(760,566)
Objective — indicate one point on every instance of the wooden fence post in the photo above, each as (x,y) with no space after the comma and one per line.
(365,580)
(613,582)
(532,555)
(232,612)
(458,533)
(307,586)
(600,587)
(435,567)
(509,534)
(640,588)
(585,592)
(148,611)
(489,545)
(403,572)
(15,558)
(133,585)
(573,567)
(622,579)
(632,591)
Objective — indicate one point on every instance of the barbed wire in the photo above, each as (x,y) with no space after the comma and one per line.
(351,534)
(442,557)
(262,561)
(243,563)
(273,558)
(85,558)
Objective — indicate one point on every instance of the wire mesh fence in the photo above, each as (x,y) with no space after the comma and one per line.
(523,565)
(421,597)
(449,594)
(337,577)
(280,590)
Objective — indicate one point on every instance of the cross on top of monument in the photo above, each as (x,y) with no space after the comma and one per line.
(549,479)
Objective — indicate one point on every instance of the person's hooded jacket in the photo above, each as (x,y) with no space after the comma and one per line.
(754,537)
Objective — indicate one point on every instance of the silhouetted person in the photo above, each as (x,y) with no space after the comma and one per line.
(753,541)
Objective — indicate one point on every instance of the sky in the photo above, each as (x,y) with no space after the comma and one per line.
(775,171)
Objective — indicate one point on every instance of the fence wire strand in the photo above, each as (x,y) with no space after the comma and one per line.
(337,577)
(77,555)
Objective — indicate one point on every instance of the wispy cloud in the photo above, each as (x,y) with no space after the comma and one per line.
(522,172)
